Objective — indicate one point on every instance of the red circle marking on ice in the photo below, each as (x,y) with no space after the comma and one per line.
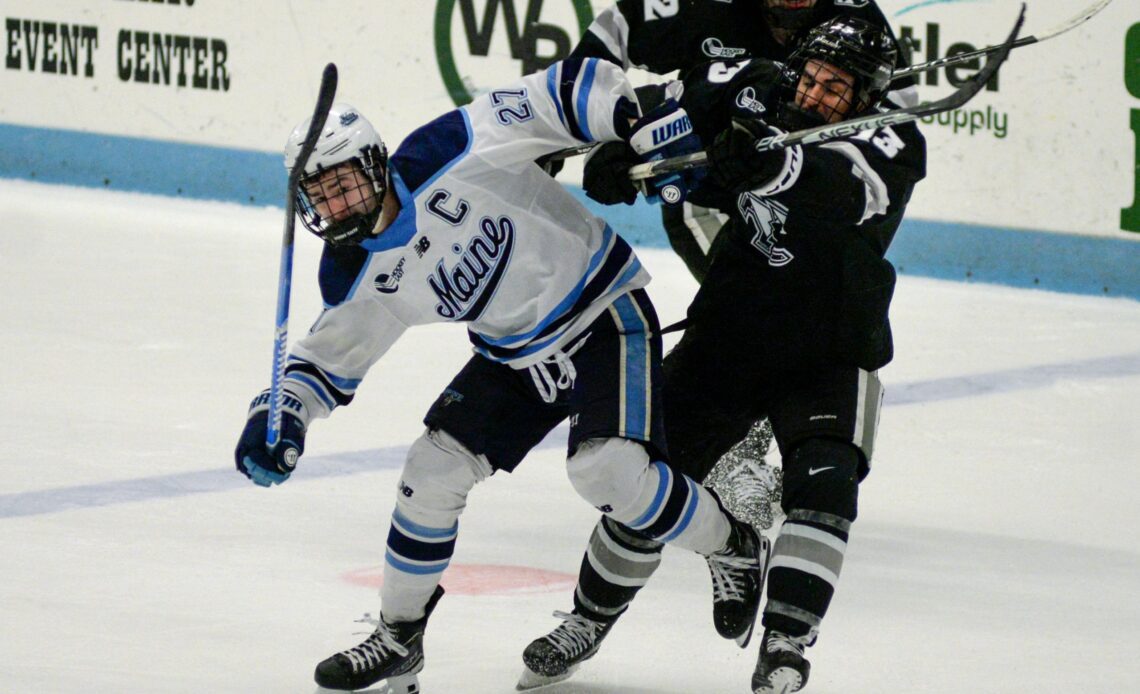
(481,579)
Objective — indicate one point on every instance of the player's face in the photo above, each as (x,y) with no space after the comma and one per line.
(341,192)
(826,90)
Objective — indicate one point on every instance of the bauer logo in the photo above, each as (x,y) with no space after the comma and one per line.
(484,44)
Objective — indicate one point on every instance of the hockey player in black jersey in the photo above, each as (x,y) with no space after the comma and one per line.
(791,323)
(663,37)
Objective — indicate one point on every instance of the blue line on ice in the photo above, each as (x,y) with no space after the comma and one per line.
(49,501)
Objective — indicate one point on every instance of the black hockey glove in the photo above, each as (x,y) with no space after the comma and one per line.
(254,459)
(734,163)
(606,174)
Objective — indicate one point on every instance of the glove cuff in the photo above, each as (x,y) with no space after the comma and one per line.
(290,404)
(659,128)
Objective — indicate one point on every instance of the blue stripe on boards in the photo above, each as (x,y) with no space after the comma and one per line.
(1023,258)
(137,165)
(1074,263)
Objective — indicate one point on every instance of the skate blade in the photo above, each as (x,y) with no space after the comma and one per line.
(744,638)
(532,680)
(400,684)
(764,558)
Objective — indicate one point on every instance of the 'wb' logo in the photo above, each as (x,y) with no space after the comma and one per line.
(523,40)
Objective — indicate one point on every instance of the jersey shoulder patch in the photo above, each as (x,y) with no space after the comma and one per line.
(431,148)
(339,269)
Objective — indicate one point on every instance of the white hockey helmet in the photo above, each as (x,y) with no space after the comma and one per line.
(347,137)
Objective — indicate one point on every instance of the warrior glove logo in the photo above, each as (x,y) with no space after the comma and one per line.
(672,131)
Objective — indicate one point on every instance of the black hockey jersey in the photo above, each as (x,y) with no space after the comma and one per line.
(666,35)
(800,275)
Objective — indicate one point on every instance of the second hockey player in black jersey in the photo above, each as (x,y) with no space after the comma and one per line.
(679,35)
(791,323)
(662,37)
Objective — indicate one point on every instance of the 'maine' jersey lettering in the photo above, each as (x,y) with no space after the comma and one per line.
(483,236)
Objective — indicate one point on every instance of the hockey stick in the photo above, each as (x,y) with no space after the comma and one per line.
(1078,19)
(847,128)
(1072,23)
(284,278)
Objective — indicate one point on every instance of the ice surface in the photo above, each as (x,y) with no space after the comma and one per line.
(997,548)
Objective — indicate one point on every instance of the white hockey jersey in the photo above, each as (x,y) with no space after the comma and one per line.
(483,236)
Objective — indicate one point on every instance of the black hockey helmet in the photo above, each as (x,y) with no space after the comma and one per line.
(348,138)
(863,50)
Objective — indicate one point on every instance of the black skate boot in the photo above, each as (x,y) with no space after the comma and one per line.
(738,581)
(781,667)
(395,652)
(554,657)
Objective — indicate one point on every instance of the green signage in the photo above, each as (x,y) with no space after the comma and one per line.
(1130,217)
(522,38)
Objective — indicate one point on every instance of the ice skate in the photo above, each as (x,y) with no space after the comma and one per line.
(556,656)
(781,667)
(738,581)
(394,652)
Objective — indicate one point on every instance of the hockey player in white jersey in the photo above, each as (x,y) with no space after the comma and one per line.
(461,225)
